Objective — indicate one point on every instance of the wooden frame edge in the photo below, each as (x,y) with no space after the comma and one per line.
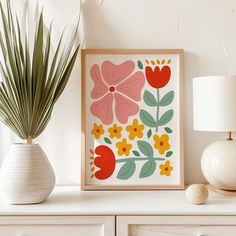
(83,127)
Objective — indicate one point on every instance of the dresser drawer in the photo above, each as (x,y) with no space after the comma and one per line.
(51,230)
(57,226)
(176,225)
(186,230)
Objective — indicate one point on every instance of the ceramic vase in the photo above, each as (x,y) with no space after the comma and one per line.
(26,175)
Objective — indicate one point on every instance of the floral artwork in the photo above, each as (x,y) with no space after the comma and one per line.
(132,120)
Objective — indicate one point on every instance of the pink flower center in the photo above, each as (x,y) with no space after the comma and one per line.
(112,89)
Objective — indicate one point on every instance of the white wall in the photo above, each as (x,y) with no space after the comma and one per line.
(205,29)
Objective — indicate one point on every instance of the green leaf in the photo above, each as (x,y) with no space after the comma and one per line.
(147,119)
(166,117)
(148,169)
(136,153)
(127,170)
(140,65)
(149,99)
(167,99)
(168,154)
(145,148)
(168,130)
(107,140)
(31,82)
(149,133)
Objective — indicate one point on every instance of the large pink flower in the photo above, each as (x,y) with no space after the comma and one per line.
(115,84)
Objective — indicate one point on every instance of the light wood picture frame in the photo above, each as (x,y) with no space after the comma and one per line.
(132,124)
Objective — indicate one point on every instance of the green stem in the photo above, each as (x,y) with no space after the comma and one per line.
(29,140)
(140,159)
(157,115)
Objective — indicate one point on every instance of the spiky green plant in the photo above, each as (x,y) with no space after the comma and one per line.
(31,82)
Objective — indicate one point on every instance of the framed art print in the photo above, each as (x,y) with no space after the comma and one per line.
(131,119)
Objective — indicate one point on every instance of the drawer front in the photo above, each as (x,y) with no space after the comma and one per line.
(51,230)
(176,225)
(186,230)
(57,226)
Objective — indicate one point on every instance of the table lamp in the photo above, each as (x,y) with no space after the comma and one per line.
(214,109)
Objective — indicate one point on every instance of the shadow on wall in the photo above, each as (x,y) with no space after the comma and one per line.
(192,170)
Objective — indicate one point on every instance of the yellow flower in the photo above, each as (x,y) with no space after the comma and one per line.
(161,143)
(97,130)
(123,147)
(135,130)
(115,131)
(166,168)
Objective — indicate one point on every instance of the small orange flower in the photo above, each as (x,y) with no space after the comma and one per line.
(115,131)
(123,147)
(161,143)
(97,130)
(135,130)
(166,168)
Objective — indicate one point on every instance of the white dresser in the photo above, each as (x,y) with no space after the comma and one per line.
(70,212)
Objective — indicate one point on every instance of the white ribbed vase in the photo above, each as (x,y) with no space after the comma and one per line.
(26,175)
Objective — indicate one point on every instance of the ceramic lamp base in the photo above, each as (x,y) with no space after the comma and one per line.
(218,164)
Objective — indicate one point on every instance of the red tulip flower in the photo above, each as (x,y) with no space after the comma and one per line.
(158,78)
(105,161)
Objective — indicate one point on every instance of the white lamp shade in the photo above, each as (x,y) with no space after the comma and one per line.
(214,103)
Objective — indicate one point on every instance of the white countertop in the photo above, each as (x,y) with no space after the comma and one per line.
(72,201)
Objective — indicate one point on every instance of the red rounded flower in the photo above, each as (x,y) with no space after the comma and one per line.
(105,160)
(158,78)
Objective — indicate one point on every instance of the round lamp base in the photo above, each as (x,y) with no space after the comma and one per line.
(218,164)
(221,191)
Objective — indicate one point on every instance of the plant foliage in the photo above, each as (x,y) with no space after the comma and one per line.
(31,81)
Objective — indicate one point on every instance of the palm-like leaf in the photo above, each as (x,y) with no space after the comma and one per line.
(31,84)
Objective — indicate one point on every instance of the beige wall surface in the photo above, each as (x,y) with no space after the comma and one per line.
(205,29)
